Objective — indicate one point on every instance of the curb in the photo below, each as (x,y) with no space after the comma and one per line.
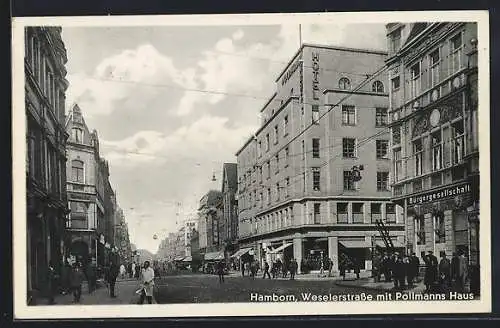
(343,284)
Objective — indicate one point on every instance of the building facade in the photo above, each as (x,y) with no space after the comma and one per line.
(296,195)
(47,208)
(230,206)
(210,222)
(121,237)
(434,127)
(90,197)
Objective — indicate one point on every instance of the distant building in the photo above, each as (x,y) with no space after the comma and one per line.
(91,198)
(47,208)
(230,206)
(296,194)
(434,126)
(209,224)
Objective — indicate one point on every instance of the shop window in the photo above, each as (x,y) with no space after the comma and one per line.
(420,229)
(439,228)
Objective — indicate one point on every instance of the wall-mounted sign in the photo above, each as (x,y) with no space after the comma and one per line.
(290,72)
(442,193)
(315,79)
(78,196)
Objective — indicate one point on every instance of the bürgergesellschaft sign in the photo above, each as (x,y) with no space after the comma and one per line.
(440,194)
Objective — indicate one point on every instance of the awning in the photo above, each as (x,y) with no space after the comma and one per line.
(178,258)
(396,244)
(241,252)
(279,249)
(187,259)
(214,256)
(355,244)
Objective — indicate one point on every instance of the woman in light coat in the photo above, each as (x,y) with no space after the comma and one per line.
(148,276)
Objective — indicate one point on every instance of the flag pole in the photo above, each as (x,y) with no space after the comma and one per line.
(300,35)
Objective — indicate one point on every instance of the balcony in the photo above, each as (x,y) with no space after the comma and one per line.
(80,187)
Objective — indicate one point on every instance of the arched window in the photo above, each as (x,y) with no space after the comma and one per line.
(77,174)
(378,86)
(77,135)
(344,83)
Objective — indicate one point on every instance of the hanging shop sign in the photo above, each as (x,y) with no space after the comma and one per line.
(442,193)
(316,75)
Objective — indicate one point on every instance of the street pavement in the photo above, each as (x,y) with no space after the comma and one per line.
(124,289)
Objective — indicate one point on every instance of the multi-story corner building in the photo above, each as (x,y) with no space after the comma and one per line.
(297,198)
(230,206)
(433,74)
(88,234)
(209,225)
(47,208)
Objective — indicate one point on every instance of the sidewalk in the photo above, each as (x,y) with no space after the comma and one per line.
(124,289)
(369,283)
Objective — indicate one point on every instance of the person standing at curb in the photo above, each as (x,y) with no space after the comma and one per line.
(293,269)
(148,277)
(76,280)
(266,271)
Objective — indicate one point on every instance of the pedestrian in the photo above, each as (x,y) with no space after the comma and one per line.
(444,273)
(137,274)
(122,271)
(266,270)
(76,279)
(431,271)
(330,267)
(112,275)
(454,269)
(220,271)
(293,269)
(148,277)
(242,264)
(386,267)
(413,268)
(286,265)
(342,269)
(51,283)
(65,272)
(253,269)
(91,274)
(463,272)
(356,268)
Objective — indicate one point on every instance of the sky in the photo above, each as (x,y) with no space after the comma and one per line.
(171,104)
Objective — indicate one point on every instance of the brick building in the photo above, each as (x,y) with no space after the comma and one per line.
(47,208)
(296,196)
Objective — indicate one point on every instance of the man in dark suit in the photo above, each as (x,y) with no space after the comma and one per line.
(112,275)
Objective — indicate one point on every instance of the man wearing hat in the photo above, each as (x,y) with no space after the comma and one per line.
(431,271)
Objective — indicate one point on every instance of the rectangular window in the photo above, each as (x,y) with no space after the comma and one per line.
(458,141)
(267,142)
(348,147)
(434,60)
(380,117)
(287,156)
(348,115)
(382,181)
(277,159)
(259,149)
(317,213)
(455,53)
(395,83)
(439,228)
(276,134)
(357,213)
(30,148)
(342,213)
(261,174)
(396,135)
(417,153)
(316,178)
(268,195)
(398,165)
(315,114)
(415,85)
(261,200)
(348,181)
(420,229)
(287,186)
(304,181)
(395,40)
(285,126)
(390,212)
(437,155)
(77,174)
(382,148)
(315,145)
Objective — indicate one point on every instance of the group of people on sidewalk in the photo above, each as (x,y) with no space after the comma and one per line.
(439,276)
(272,271)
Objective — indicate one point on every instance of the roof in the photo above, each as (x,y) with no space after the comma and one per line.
(231,173)
(416,30)
(212,198)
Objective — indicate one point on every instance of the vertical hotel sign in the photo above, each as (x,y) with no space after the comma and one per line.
(316,75)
